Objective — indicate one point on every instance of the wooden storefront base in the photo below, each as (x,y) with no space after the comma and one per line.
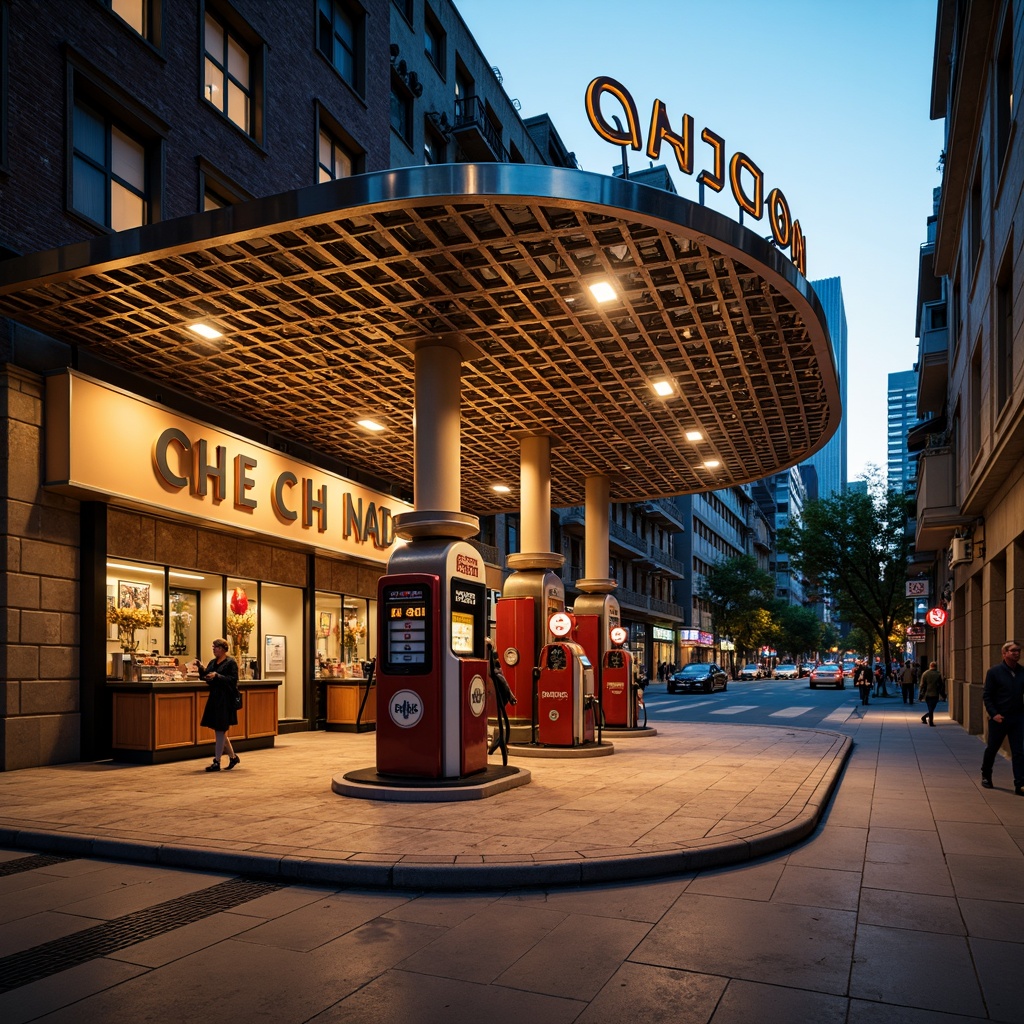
(343,700)
(159,722)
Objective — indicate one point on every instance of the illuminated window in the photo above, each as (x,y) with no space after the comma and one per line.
(435,150)
(335,161)
(231,71)
(141,15)
(339,38)
(109,171)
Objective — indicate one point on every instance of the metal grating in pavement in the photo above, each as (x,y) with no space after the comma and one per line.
(19,864)
(71,950)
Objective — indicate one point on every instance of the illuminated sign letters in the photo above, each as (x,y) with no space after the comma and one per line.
(745,178)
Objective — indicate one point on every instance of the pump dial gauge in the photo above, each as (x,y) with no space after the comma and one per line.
(618,635)
(511,656)
(560,624)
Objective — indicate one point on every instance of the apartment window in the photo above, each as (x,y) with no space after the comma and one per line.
(975,410)
(1003,314)
(401,108)
(974,225)
(463,93)
(405,9)
(109,179)
(339,38)
(435,150)
(1004,93)
(216,190)
(434,40)
(335,161)
(141,15)
(228,82)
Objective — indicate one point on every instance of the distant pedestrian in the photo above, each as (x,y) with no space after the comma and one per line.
(907,677)
(862,679)
(1003,696)
(933,689)
(879,677)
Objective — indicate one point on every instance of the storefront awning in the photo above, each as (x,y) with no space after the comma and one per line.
(321,295)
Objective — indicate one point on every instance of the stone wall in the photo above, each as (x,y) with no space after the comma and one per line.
(39,591)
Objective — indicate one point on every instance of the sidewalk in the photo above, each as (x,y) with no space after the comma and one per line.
(904,906)
(690,797)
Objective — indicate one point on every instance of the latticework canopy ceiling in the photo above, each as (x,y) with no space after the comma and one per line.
(321,295)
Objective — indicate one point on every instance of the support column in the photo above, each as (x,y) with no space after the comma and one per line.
(437,444)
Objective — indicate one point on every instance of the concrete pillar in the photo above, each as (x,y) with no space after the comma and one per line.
(535,493)
(596,558)
(437,442)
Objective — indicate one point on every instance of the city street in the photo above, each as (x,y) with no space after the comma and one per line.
(788,702)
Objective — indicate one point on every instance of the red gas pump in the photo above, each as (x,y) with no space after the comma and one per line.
(617,683)
(566,705)
(431,668)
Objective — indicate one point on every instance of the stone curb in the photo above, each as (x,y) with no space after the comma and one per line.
(451,877)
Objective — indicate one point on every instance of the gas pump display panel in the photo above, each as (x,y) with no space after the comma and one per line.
(468,615)
(408,613)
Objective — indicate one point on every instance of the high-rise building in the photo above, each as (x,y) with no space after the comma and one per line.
(902,405)
(830,462)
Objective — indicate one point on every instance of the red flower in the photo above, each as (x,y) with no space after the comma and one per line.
(239,602)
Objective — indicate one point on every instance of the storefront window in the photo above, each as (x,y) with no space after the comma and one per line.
(345,634)
(241,624)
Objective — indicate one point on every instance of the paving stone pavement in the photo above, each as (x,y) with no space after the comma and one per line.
(903,904)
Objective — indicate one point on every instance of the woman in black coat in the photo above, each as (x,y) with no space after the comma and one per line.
(220,713)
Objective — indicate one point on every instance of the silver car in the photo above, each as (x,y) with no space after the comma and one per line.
(787,670)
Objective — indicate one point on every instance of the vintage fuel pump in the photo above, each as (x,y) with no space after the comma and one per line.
(617,699)
(522,614)
(597,614)
(567,712)
(432,669)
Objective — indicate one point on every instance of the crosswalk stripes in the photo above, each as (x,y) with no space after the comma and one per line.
(736,709)
(790,712)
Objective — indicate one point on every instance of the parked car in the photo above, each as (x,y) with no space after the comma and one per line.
(806,668)
(703,677)
(751,672)
(786,670)
(848,667)
(829,674)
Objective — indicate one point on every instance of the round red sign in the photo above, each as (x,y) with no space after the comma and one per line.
(936,616)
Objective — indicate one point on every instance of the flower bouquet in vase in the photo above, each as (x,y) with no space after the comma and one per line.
(241,622)
(353,636)
(127,621)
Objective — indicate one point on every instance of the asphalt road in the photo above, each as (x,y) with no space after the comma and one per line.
(763,702)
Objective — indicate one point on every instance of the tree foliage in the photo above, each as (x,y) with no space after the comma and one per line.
(854,547)
(738,593)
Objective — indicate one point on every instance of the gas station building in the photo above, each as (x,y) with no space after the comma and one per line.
(335,353)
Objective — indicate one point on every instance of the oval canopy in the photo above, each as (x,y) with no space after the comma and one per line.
(321,296)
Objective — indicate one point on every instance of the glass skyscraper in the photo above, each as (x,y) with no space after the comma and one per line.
(830,462)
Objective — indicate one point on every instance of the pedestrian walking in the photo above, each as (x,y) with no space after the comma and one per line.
(907,676)
(862,679)
(879,677)
(933,689)
(1003,696)
(221,711)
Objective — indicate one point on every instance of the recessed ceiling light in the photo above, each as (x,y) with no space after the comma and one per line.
(663,388)
(602,291)
(694,435)
(204,330)
(371,425)
(712,464)
(501,488)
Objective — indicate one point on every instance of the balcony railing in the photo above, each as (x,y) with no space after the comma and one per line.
(477,136)
(932,363)
(938,512)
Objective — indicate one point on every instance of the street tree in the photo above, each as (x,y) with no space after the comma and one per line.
(854,546)
(738,594)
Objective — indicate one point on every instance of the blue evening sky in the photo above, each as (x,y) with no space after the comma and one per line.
(830,98)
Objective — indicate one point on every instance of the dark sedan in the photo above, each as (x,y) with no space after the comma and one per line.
(700,678)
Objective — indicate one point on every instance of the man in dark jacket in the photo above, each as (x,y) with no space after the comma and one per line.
(1003,696)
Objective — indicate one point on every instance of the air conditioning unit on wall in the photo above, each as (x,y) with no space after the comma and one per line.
(961,551)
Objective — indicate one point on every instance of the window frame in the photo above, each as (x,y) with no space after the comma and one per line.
(434,30)
(255,49)
(400,92)
(1002,330)
(330,126)
(211,180)
(3,86)
(90,87)
(152,20)
(357,15)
